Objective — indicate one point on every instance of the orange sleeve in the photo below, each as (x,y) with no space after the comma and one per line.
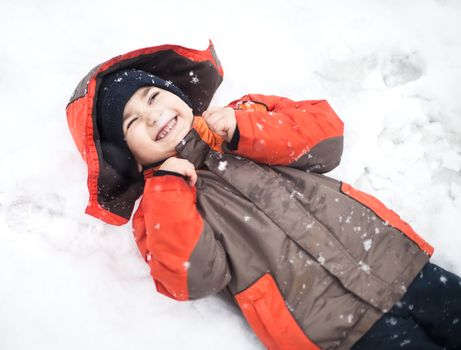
(179,244)
(278,131)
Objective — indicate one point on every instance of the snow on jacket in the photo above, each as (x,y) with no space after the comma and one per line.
(311,261)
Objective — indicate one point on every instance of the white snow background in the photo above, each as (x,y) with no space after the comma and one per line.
(391,70)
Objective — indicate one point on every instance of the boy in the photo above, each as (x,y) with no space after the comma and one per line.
(311,262)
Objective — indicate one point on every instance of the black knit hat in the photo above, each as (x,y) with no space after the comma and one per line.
(115,91)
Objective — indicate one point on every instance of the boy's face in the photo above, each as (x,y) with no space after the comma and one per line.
(154,122)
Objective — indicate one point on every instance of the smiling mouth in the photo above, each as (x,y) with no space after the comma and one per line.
(167,129)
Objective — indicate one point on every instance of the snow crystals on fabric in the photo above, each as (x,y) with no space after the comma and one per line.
(367,244)
(321,259)
(297,194)
(405,342)
(309,225)
(349,318)
(364,267)
(392,321)
(222,165)
(194,78)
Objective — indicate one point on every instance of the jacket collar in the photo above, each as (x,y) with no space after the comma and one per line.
(195,146)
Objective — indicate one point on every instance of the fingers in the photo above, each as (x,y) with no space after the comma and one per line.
(192,178)
(181,166)
(191,174)
(209,111)
(217,120)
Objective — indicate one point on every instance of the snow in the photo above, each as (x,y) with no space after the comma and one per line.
(70,281)
(367,244)
(222,165)
(364,267)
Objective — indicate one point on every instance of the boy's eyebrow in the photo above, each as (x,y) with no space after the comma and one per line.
(143,96)
(144,93)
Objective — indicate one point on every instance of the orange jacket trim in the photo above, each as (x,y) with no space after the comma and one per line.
(386,214)
(265,310)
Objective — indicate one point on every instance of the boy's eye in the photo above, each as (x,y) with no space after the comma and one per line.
(131,122)
(153,96)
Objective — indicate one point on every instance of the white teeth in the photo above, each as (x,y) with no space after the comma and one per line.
(170,126)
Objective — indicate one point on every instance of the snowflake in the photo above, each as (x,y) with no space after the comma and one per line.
(260,126)
(364,267)
(405,342)
(168,83)
(443,279)
(186,265)
(310,225)
(222,165)
(157,226)
(367,244)
(246,218)
(289,307)
(321,259)
(392,321)
(296,193)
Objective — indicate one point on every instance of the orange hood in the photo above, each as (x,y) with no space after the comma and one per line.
(197,73)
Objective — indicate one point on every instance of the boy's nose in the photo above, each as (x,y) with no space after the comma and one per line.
(153,116)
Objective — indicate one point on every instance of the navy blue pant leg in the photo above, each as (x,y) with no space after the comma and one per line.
(434,301)
(427,317)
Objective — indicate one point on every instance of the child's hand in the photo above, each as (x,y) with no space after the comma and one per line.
(221,120)
(181,166)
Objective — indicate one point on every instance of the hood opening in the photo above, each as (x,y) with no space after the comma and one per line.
(197,73)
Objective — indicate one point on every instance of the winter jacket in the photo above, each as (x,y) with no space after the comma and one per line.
(311,262)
